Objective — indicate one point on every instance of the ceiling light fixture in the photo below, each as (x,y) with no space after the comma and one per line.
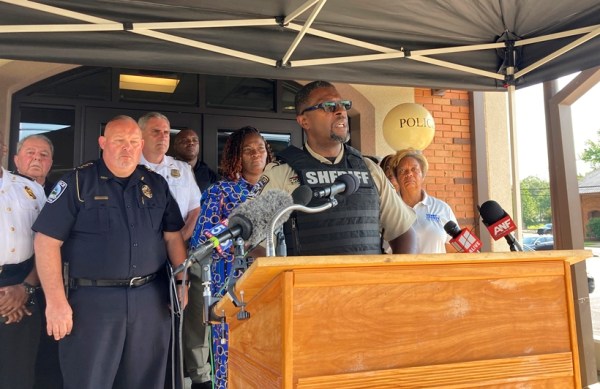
(148,83)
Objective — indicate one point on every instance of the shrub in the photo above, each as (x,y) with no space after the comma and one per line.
(593,228)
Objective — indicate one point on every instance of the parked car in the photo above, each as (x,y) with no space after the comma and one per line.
(538,242)
(547,229)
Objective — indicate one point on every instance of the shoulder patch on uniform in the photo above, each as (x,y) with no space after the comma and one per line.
(263,180)
(58,190)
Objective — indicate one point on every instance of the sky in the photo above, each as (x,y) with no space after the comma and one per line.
(531,131)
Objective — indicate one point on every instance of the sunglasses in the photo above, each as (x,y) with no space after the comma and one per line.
(329,106)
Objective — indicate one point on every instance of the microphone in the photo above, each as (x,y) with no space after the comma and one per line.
(261,210)
(344,185)
(248,220)
(499,224)
(302,195)
(464,241)
(218,236)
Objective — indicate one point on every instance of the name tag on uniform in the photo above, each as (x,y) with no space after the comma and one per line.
(100,197)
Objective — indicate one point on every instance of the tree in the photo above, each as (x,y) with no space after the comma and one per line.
(593,228)
(535,201)
(591,154)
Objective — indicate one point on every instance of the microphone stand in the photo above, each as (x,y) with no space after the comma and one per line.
(516,246)
(240,262)
(295,207)
(281,249)
(207,297)
(197,256)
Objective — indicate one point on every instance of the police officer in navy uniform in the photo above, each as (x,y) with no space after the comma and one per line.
(116,225)
(357,224)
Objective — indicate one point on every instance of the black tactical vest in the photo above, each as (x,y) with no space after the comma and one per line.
(351,227)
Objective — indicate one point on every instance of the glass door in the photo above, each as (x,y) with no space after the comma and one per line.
(279,133)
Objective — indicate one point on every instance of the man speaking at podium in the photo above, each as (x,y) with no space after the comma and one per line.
(360,220)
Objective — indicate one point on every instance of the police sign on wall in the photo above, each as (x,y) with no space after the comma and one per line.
(408,126)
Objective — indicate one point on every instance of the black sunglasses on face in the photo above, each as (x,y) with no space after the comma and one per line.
(330,106)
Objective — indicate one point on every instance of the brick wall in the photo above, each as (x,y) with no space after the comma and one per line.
(590,203)
(450,176)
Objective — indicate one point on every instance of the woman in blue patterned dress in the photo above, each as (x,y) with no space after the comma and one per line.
(244,158)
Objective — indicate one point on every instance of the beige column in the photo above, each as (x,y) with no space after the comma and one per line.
(492,157)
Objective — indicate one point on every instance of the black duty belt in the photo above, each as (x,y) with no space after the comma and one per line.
(15,273)
(128,282)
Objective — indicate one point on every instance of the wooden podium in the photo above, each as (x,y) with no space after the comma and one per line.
(493,320)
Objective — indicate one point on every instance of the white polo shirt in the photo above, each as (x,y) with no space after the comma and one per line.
(432,214)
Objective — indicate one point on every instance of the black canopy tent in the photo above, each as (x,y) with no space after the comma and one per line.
(477,45)
(481,45)
(474,45)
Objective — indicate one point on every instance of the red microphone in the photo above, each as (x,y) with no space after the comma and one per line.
(464,241)
(502,227)
(499,223)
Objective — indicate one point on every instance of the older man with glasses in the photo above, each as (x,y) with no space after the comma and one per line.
(360,221)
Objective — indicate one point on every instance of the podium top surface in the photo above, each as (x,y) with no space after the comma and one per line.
(264,269)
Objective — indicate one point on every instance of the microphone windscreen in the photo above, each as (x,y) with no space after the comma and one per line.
(302,195)
(351,182)
(452,229)
(261,210)
(491,212)
(239,220)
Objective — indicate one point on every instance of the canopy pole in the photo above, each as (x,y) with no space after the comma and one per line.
(302,32)
(514,150)
(558,53)
(511,60)
(299,11)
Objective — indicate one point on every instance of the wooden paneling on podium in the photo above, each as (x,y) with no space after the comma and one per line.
(489,320)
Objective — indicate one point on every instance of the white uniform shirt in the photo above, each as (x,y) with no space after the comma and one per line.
(181,182)
(432,215)
(21,201)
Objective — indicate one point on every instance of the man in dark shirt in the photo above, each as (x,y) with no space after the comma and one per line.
(116,225)
(186,147)
(195,342)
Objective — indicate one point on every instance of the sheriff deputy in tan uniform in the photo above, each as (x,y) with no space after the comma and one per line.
(357,223)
